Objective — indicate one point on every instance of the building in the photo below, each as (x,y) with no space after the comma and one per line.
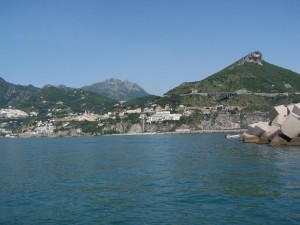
(162,116)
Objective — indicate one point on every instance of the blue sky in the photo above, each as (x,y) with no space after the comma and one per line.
(157,44)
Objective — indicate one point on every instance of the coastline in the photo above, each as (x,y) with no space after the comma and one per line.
(136,134)
(184,132)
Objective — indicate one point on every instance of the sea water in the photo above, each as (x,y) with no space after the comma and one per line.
(148,179)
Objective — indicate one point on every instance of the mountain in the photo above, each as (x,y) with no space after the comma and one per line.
(11,93)
(60,86)
(250,83)
(250,73)
(56,98)
(74,100)
(117,89)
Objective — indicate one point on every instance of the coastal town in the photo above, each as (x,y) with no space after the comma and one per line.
(47,127)
(281,127)
(53,124)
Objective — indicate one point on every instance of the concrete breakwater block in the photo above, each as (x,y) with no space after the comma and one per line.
(283,127)
(249,138)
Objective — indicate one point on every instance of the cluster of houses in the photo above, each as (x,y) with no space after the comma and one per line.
(162,116)
(40,128)
(148,114)
(240,92)
(12,113)
(283,127)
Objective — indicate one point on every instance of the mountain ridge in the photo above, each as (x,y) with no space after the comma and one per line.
(251,73)
(51,96)
(117,89)
(12,93)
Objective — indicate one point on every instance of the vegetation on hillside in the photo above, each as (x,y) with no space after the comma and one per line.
(61,101)
(266,78)
(141,102)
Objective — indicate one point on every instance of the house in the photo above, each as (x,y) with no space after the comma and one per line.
(162,116)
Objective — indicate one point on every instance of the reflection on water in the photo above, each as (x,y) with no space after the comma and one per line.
(157,179)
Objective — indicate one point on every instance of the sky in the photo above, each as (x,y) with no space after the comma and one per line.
(157,44)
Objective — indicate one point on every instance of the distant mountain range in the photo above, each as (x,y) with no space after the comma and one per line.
(51,97)
(111,88)
(108,91)
(117,89)
(250,74)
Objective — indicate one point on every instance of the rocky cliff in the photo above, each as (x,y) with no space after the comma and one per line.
(216,121)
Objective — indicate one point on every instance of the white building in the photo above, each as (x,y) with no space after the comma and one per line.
(162,116)
(129,111)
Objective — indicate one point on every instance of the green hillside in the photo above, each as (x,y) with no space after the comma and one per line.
(52,99)
(250,76)
(254,77)
(11,94)
(75,100)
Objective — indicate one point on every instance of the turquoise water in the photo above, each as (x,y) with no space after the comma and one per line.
(154,179)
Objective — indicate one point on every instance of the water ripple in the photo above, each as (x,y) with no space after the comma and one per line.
(157,179)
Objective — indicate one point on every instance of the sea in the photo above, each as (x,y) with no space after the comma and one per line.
(148,179)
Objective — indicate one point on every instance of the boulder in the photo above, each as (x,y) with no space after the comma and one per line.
(296,109)
(270,133)
(291,126)
(283,128)
(258,129)
(263,140)
(248,138)
(278,120)
(277,140)
(278,110)
(295,141)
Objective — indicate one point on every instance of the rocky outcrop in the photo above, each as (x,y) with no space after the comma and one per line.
(283,127)
(253,57)
(215,121)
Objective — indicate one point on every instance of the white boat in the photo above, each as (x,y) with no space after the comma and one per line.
(228,136)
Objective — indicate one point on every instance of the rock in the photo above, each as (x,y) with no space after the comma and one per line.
(254,57)
(258,129)
(263,140)
(278,121)
(278,110)
(272,132)
(283,128)
(248,138)
(296,110)
(295,141)
(291,126)
(277,140)
(135,128)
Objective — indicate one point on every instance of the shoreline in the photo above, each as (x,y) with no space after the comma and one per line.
(184,132)
(137,134)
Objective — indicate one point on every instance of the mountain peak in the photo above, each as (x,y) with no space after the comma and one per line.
(117,89)
(251,72)
(59,86)
(253,57)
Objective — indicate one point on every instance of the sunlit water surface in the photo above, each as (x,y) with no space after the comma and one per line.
(151,179)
